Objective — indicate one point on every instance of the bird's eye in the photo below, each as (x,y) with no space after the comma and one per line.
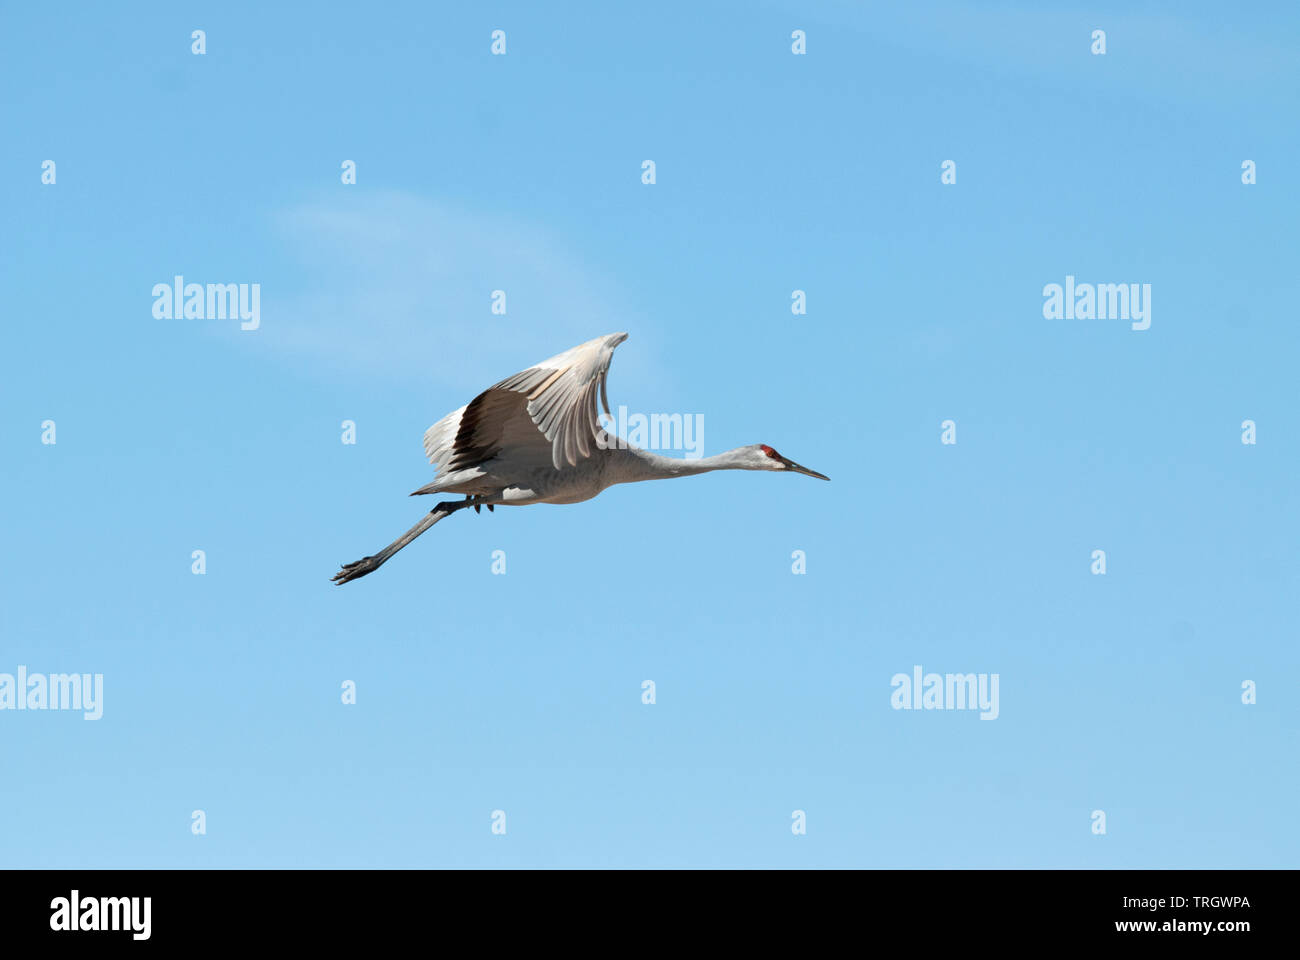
(769,451)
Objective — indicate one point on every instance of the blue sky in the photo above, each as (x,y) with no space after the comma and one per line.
(774,172)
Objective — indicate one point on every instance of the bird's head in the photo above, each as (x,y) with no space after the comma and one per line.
(763,457)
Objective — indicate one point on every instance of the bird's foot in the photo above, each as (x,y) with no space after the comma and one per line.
(355,569)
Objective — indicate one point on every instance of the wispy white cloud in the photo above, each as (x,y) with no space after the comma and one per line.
(399,286)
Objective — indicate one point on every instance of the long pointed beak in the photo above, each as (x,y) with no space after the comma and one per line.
(800,468)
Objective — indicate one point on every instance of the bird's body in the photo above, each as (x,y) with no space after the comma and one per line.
(536,438)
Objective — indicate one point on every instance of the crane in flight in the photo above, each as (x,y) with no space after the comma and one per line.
(536,438)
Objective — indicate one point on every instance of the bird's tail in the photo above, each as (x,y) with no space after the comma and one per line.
(359,568)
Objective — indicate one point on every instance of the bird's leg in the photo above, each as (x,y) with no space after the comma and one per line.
(359,568)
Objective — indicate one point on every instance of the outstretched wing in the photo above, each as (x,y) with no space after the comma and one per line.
(549,409)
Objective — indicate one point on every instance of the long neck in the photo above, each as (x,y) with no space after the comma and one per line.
(638,464)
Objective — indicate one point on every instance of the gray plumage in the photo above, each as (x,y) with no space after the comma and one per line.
(536,438)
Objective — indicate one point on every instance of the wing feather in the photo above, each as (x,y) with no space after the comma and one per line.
(550,409)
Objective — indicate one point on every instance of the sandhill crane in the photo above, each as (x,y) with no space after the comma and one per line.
(535,438)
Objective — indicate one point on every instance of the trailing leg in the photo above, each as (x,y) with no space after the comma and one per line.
(359,568)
